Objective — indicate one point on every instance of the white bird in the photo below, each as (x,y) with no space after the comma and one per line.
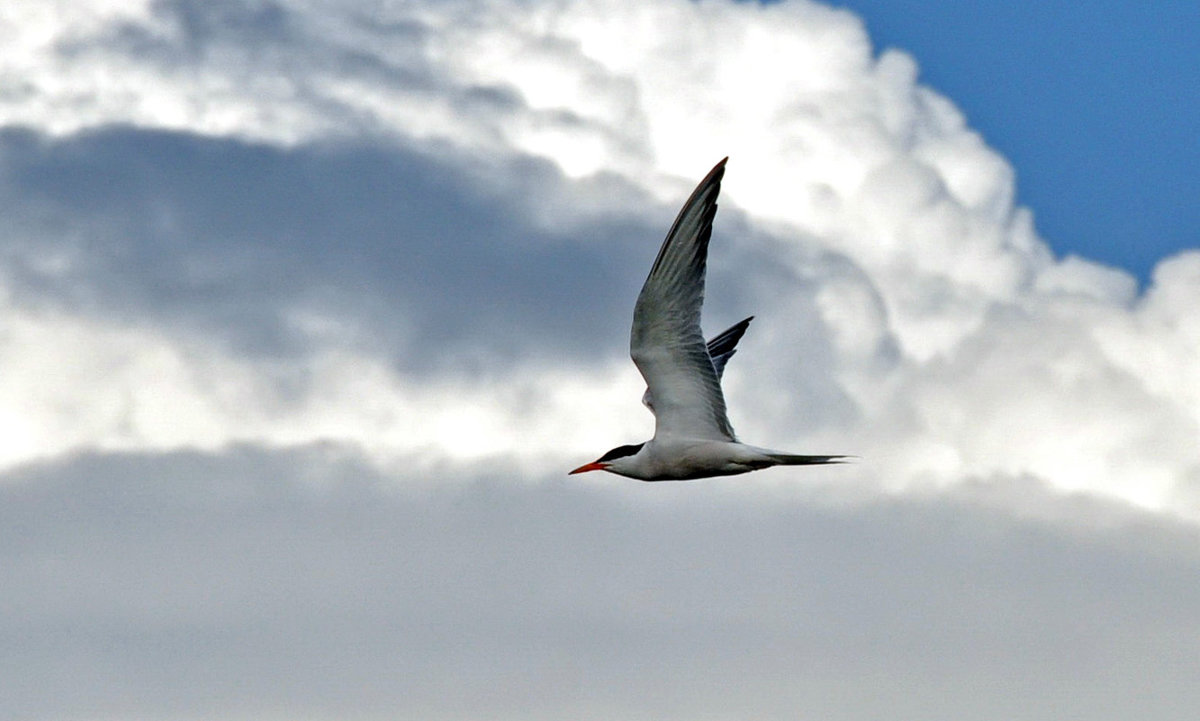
(692,435)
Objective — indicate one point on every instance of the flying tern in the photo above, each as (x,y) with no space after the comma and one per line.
(692,436)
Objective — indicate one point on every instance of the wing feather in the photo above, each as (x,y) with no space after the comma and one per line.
(666,343)
(720,349)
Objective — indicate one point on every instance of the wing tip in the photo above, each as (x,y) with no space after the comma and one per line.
(714,175)
(718,169)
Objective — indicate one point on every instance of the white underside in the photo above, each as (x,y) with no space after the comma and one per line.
(687,459)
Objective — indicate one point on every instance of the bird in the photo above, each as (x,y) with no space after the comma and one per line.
(692,435)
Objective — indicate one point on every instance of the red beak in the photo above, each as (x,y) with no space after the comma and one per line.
(588,467)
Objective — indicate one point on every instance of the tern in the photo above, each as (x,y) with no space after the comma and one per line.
(692,436)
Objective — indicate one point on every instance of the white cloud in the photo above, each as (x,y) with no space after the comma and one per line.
(72,385)
(939,335)
(305,307)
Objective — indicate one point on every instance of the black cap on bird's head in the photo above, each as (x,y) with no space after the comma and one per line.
(601,463)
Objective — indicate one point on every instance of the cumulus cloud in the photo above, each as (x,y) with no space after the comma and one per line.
(347,209)
(306,306)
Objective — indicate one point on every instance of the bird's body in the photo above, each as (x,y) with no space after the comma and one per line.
(692,435)
(684,459)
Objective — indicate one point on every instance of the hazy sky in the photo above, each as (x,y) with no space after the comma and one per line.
(308,307)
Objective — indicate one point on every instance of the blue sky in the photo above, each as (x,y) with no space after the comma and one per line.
(1096,104)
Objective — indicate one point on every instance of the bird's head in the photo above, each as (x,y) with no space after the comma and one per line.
(611,461)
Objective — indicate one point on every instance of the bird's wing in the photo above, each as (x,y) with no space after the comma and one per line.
(720,349)
(666,343)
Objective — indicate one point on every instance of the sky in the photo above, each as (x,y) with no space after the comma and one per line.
(1096,110)
(309,306)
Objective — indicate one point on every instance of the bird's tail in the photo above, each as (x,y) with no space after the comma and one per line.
(790,459)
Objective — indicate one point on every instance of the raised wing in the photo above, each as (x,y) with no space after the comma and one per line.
(666,343)
(720,350)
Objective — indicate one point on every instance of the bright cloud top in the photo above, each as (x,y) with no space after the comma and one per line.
(916,318)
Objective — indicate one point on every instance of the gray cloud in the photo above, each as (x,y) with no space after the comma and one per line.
(301,583)
(407,256)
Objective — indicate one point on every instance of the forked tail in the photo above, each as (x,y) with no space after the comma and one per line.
(790,459)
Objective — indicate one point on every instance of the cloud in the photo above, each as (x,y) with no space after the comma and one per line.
(307,307)
(303,583)
(171,290)
(358,215)
(236,240)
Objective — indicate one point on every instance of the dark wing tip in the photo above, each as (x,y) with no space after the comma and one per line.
(719,168)
(714,177)
(700,209)
(727,340)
